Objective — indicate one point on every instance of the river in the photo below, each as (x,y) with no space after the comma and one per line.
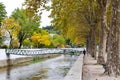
(51,69)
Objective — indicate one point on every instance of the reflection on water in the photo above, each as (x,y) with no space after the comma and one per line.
(8,72)
(8,66)
(52,69)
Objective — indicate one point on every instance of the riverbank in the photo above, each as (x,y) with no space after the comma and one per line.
(94,71)
(25,60)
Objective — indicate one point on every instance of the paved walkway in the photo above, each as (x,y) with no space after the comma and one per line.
(94,71)
(75,72)
(91,69)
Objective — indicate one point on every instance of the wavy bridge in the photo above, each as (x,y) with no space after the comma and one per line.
(34,52)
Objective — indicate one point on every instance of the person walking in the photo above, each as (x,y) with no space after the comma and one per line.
(84,52)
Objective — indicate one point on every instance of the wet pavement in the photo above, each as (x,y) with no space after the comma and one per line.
(52,69)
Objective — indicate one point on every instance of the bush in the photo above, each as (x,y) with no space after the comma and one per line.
(4,46)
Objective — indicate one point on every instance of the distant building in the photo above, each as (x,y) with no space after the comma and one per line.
(5,37)
(52,35)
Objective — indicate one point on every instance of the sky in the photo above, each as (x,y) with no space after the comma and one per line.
(13,4)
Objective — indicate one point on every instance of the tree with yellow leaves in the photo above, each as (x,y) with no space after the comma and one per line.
(41,39)
(15,43)
(11,27)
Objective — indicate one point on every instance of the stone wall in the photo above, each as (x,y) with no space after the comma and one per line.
(3,63)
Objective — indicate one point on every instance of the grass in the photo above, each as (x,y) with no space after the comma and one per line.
(36,60)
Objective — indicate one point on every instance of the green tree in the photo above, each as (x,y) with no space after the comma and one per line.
(27,43)
(34,6)
(28,24)
(77,19)
(58,41)
(51,30)
(2,16)
(2,12)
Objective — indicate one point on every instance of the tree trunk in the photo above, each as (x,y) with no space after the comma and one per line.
(21,39)
(107,28)
(20,42)
(92,42)
(102,46)
(88,44)
(113,60)
(11,42)
(103,35)
(11,39)
(20,45)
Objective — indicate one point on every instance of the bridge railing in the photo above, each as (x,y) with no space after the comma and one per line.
(32,52)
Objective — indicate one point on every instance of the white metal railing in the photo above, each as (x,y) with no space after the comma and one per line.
(42,51)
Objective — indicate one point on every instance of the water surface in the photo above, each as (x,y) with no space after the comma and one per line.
(52,69)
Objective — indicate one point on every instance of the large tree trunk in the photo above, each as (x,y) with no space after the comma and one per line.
(113,60)
(107,27)
(102,46)
(103,32)
(92,42)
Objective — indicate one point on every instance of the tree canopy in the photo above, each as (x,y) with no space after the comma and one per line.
(28,24)
(2,12)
